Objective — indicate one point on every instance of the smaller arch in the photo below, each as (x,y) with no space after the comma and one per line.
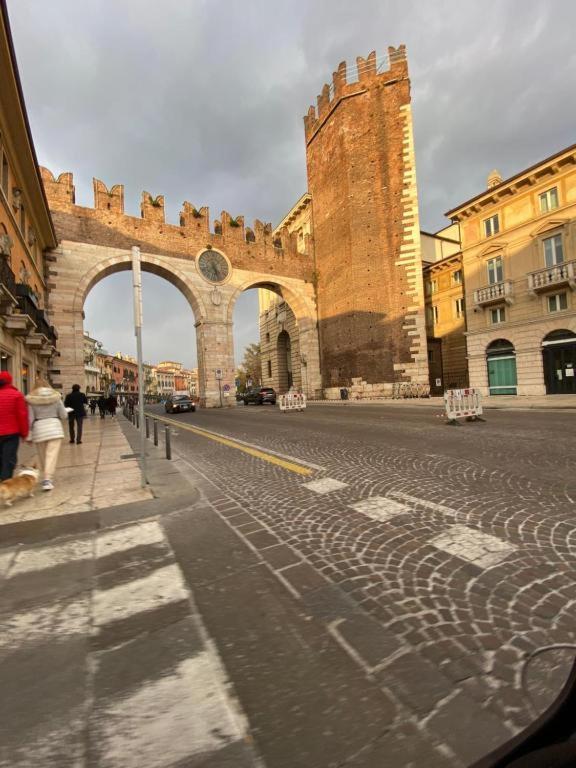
(500,347)
(559,336)
(285,372)
(559,362)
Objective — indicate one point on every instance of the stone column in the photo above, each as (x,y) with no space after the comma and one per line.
(310,352)
(215,352)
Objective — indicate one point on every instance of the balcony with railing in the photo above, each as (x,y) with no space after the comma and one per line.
(496,293)
(556,276)
(7,286)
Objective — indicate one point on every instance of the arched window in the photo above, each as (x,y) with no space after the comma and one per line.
(501,364)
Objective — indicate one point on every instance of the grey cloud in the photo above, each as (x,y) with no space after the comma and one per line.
(204,100)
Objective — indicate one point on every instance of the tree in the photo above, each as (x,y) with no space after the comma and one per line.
(251,367)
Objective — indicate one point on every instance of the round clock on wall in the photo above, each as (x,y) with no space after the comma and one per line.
(213,266)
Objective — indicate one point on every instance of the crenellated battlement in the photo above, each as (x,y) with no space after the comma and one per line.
(370,72)
(108,223)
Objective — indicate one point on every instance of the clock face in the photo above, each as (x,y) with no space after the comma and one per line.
(213,266)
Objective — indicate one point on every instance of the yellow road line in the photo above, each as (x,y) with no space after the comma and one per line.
(231,443)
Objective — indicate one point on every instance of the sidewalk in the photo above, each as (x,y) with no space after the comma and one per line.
(101,472)
(105,661)
(504,402)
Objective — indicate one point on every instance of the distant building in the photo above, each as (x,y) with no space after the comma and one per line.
(445,311)
(92,366)
(519,260)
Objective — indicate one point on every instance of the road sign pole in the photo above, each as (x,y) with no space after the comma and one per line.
(137,284)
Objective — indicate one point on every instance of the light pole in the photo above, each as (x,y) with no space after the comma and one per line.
(137,284)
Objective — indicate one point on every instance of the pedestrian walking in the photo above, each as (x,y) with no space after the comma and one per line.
(46,412)
(93,405)
(102,406)
(13,424)
(76,401)
(112,404)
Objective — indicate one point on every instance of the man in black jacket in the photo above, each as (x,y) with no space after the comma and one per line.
(77,401)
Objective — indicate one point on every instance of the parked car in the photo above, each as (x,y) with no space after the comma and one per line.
(259,396)
(178,403)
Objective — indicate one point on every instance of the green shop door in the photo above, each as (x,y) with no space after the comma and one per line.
(502,375)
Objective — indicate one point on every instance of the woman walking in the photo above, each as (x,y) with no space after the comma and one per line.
(46,413)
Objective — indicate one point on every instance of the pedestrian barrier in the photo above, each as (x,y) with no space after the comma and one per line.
(292,401)
(462,404)
(133,417)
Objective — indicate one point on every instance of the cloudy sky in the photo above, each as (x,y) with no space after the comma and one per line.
(202,100)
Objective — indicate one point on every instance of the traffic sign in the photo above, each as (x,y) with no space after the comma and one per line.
(218,373)
(226,387)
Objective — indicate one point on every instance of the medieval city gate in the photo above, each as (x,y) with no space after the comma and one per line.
(211,268)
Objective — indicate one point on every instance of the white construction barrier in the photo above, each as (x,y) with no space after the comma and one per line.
(463,403)
(292,401)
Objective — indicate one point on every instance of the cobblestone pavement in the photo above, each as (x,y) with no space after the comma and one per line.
(441,559)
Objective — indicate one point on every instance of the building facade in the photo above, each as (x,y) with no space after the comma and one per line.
(27,339)
(92,366)
(445,311)
(519,260)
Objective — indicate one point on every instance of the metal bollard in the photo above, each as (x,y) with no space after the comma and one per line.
(147,426)
(168,446)
(155,432)
(137,420)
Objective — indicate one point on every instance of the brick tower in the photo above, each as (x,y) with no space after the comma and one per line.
(362,178)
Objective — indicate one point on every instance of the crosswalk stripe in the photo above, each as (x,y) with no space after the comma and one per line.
(162,586)
(128,537)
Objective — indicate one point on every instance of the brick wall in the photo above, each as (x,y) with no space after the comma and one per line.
(361,177)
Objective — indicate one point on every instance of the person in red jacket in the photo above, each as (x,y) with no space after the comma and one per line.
(13,424)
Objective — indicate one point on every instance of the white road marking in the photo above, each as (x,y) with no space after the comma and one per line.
(262,448)
(166,721)
(325,485)
(471,545)
(423,503)
(380,508)
(6,558)
(128,537)
(39,558)
(161,587)
(61,620)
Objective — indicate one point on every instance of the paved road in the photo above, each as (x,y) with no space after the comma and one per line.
(436,561)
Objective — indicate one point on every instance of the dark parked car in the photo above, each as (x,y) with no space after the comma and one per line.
(178,403)
(259,396)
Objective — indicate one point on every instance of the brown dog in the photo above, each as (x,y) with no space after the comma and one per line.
(20,486)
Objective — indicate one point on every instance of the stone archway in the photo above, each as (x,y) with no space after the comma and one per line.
(305,353)
(96,242)
(284,362)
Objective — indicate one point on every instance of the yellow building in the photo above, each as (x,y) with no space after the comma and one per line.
(519,258)
(27,340)
(445,315)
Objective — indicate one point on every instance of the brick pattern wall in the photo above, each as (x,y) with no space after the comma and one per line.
(361,176)
(254,249)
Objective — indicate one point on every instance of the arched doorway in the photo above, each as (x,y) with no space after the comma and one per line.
(559,358)
(284,362)
(501,363)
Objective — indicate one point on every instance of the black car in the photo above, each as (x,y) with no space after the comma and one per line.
(259,396)
(179,403)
